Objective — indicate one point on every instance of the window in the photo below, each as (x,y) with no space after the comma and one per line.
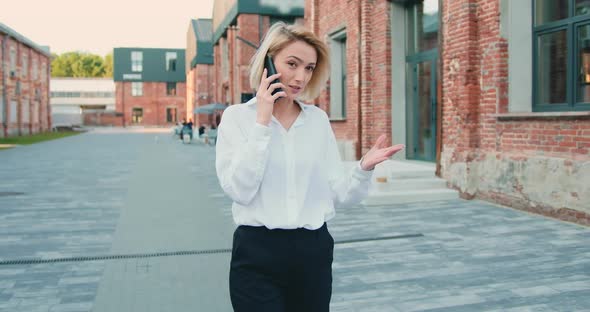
(137,115)
(24,65)
(12,62)
(422,27)
(170,88)
(43,71)
(13,112)
(171,61)
(137,88)
(35,67)
(35,112)
(561,55)
(25,111)
(171,114)
(338,76)
(136,61)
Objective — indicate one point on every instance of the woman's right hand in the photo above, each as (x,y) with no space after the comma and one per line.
(265,100)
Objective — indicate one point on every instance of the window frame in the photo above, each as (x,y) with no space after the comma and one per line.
(571,26)
(136,118)
(171,61)
(168,89)
(137,61)
(136,88)
(24,65)
(339,90)
(169,114)
(12,61)
(35,67)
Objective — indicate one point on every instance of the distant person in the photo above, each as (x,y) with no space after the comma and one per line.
(277,159)
(182,128)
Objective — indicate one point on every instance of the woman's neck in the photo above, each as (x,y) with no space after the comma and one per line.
(285,107)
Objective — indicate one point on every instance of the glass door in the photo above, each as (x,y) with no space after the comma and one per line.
(421,108)
(422,18)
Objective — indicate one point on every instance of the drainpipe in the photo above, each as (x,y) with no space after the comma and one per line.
(439,82)
(123,100)
(48,97)
(4,93)
(359,148)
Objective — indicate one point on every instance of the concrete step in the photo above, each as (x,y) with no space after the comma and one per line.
(409,184)
(401,197)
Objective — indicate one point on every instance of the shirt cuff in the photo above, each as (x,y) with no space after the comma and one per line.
(361,174)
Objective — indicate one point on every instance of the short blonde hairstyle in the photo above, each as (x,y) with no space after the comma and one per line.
(279,36)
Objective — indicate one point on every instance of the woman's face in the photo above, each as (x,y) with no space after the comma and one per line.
(296,62)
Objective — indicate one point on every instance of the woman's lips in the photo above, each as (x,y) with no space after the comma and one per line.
(295,89)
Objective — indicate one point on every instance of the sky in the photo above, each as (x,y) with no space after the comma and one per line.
(99,26)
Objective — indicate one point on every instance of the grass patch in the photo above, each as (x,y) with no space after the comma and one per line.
(36,138)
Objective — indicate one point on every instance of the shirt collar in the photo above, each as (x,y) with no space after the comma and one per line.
(303,106)
(299,121)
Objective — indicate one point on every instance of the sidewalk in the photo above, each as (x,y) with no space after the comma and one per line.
(150,197)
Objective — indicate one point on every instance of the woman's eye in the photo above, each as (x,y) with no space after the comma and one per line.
(310,68)
(291,64)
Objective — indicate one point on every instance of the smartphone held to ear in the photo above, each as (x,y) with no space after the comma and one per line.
(271,70)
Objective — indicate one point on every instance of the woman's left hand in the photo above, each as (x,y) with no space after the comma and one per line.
(378,153)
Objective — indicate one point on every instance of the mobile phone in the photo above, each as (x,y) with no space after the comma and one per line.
(271,70)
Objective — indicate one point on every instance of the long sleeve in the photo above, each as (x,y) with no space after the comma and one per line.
(241,157)
(348,187)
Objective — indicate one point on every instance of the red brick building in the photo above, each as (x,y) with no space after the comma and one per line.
(461,83)
(238,27)
(150,86)
(199,69)
(24,91)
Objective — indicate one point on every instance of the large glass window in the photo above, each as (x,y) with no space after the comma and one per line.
(136,61)
(561,59)
(338,76)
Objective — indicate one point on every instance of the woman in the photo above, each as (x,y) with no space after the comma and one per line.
(278,160)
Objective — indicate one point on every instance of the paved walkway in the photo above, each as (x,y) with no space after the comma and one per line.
(117,220)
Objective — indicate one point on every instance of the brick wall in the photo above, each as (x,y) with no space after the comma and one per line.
(535,163)
(368,66)
(204,90)
(102,119)
(154,102)
(28,90)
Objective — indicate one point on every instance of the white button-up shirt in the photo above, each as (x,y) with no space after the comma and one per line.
(281,178)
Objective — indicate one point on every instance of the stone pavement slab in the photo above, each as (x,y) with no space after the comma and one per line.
(113,192)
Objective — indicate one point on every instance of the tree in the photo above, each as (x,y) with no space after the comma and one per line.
(76,64)
(88,65)
(108,65)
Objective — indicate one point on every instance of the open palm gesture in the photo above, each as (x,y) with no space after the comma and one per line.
(378,153)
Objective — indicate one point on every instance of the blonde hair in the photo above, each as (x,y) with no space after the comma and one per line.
(279,36)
